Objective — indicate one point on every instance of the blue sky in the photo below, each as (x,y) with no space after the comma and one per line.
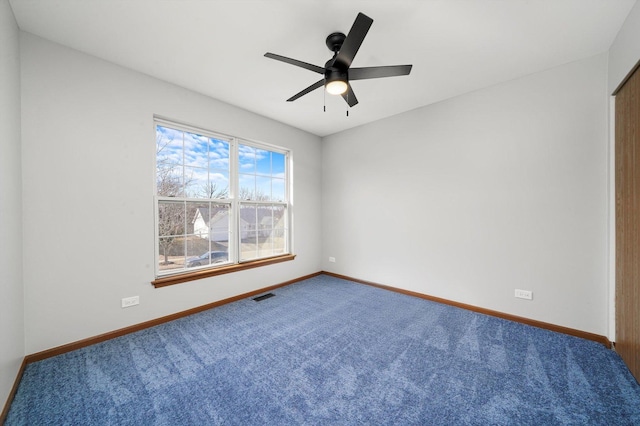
(204,160)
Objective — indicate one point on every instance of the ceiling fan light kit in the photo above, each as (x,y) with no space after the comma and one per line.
(336,87)
(337,72)
(336,82)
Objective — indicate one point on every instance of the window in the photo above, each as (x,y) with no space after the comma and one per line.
(220,201)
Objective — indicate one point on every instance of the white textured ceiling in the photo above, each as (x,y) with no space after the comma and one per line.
(216,47)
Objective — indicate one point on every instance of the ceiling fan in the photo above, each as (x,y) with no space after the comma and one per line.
(337,71)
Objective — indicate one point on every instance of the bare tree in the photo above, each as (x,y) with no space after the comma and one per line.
(171,224)
(169,183)
(168,175)
(247,194)
(211,190)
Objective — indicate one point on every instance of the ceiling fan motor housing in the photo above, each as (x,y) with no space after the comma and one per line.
(334,41)
(333,74)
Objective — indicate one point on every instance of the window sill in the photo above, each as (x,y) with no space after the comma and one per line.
(205,273)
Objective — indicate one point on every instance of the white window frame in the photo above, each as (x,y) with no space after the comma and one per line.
(233,201)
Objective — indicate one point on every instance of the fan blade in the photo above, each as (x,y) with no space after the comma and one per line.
(353,41)
(295,62)
(379,72)
(311,88)
(350,97)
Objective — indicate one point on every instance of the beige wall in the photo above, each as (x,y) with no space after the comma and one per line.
(88,150)
(11,290)
(624,53)
(469,199)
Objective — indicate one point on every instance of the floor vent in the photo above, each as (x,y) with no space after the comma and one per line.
(264,296)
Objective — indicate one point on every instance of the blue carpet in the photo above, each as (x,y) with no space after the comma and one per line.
(331,352)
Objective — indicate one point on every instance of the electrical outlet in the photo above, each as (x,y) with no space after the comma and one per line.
(130,301)
(524,294)
(332,259)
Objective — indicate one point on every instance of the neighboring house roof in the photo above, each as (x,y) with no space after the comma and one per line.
(203,212)
(246,215)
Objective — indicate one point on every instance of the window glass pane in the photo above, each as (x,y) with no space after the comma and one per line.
(247,187)
(263,162)
(272,246)
(248,235)
(196,250)
(246,159)
(277,164)
(277,189)
(219,154)
(196,182)
(248,219)
(249,247)
(171,218)
(209,244)
(168,146)
(218,186)
(274,236)
(264,231)
(280,221)
(171,227)
(263,189)
(169,172)
(196,150)
(169,181)
(219,226)
(168,260)
(214,257)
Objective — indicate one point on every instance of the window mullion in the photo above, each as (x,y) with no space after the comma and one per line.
(234,191)
(185,233)
(288,196)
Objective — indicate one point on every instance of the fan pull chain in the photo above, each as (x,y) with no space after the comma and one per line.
(347,99)
(348,104)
